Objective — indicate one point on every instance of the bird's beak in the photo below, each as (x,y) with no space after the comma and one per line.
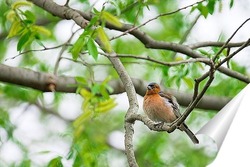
(149,87)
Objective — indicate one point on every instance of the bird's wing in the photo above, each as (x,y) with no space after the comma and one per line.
(170,99)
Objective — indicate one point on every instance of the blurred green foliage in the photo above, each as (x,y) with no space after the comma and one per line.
(25,27)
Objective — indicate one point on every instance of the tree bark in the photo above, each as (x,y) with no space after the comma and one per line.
(66,84)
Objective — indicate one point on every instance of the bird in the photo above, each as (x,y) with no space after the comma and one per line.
(163,107)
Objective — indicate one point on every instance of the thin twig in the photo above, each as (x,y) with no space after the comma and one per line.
(154,18)
(214,44)
(233,54)
(229,39)
(35,50)
(175,63)
(197,83)
(49,111)
(197,99)
(64,47)
(228,53)
(184,38)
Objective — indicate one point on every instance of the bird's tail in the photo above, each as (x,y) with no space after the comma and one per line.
(190,133)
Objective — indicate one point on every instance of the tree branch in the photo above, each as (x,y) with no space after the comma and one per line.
(196,100)
(153,44)
(156,17)
(63,12)
(215,44)
(82,20)
(40,81)
(36,80)
(176,63)
(49,82)
(133,107)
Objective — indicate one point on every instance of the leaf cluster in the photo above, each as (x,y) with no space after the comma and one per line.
(23,25)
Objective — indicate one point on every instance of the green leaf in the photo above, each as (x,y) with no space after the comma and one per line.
(19,4)
(23,40)
(87,113)
(106,80)
(11,15)
(56,162)
(77,47)
(81,80)
(231,3)
(92,48)
(189,82)
(41,30)
(15,29)
(93,21)
(104,92)
(30,16)
(96,11)
(211,6)
(203,10)
(95,89)
(108,17)
(104,39)
(204,52)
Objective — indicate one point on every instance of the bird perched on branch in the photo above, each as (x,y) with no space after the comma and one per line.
(163,107)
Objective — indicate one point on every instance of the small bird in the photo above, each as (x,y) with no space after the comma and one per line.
(163,107)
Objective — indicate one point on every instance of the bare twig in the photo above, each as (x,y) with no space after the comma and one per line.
(233,54)
(185,36)
(197,83)
(215,44)
(148,58)
(218,66)
(175,63)
(35,50)
(197,98)
(154,18)
(228,53)
(229,39)
(64,47)
(49,111)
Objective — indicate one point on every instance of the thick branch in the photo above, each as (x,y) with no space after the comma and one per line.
(41,81)
(36,80)
(63,12)
(133,108)
(79,17)
(153,44)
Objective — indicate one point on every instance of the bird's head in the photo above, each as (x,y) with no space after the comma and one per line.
(153,88)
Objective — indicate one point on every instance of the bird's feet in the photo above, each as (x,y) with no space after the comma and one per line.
(159,125)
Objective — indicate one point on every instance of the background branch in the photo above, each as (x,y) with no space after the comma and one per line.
(133,107)
(82,20)
(96,27)
(215,44)
(184,49)
(66,84)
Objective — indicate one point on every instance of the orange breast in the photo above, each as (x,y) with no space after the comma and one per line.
(157,109)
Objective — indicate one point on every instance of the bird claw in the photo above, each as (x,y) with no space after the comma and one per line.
(159,125)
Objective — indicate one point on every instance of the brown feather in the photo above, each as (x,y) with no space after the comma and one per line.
(163,107)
